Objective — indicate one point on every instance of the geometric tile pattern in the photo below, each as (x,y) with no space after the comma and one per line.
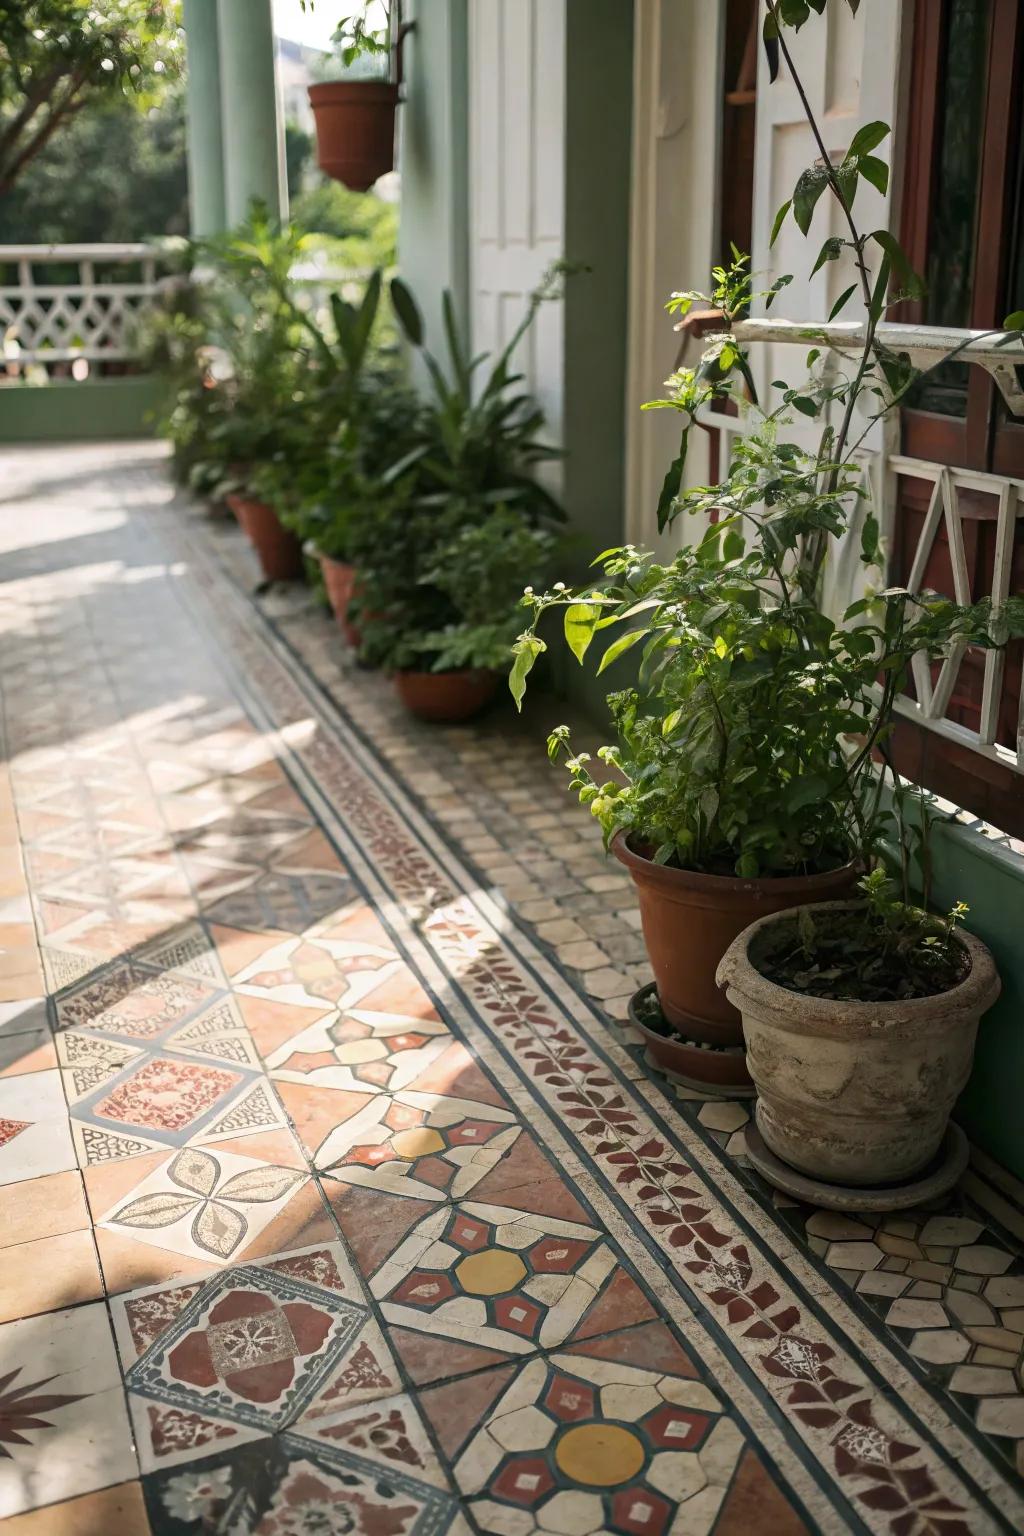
(399,1237)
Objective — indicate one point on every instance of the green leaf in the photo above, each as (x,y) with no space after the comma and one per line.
(770,35)
(909,280)
(804,791)
(780,219)
(580,622)
(843,299)
(1014,322)
(868,138)
(670,485)
(407,312)
(620,646)
(874,170)
(809,188)
(830,251)
(805,406)
(869,546)
(526,650)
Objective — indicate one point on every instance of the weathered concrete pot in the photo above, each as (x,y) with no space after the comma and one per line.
(690,919)
(855,1093)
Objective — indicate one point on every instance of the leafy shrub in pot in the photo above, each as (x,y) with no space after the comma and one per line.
(743,779)
(460,523)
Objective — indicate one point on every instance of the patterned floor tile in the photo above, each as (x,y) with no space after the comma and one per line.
(63,1424)
(288,1485)
(419,1144)
(253,1350)
(579,1445)
(493,1276)
(203,1204)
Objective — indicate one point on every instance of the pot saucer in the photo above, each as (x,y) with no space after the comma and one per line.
(945,1169)
(719,1072)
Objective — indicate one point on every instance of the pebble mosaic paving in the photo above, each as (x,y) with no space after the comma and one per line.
(334,1193)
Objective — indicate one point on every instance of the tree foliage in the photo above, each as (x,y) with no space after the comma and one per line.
(58,56)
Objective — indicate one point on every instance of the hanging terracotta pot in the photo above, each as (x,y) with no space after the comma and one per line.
(446,696)
(279,551)
(690,919)
(355,129)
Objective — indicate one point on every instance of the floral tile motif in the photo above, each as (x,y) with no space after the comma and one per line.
(162,1099)
(257,1348)
(204,1204)
(384,1033)
(35,1133)
(388,1430)
(130,1001)
(289,1487)
(63,1425)
(420,1144)
(576,1444)
(493,1276)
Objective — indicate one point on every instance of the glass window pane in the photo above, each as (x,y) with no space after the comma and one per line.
(951,238)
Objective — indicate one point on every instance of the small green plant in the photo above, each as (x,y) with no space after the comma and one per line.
(883,950)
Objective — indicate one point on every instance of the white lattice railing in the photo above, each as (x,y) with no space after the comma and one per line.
(883,472)
(45,322)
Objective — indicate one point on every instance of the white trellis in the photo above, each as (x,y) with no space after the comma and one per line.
(56,322)
(882,472)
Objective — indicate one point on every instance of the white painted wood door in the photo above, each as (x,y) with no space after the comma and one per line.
(517,182)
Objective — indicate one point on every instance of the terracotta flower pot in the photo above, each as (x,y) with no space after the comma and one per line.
(341,581)
(355,129)
(279,551)
(689,920)
(720,1068)
(856,1093)
(446,696)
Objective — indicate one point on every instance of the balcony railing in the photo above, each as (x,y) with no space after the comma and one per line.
(944,518)
(48,318)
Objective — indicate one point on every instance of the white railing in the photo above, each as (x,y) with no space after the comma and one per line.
(882,473)
(45,322)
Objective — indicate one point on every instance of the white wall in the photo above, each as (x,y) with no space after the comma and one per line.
(517,115)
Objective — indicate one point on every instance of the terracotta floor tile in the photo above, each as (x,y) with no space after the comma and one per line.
(118,1511)
(44,1207)
(48,1273)
(754,1503)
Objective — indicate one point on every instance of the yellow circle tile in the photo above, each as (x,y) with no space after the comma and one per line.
(417,1142)
(600,1455)
(489,1274)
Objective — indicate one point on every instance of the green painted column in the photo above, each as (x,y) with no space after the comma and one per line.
(248,102)
(205,149)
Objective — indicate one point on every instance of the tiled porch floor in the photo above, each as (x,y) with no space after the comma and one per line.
(333,1194)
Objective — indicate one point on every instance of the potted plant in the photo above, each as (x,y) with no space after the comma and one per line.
(355,117)
(860,1020)
(460,519)
(744,780)
(448,638)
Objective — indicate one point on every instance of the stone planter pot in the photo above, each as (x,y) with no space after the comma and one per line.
(689,920)
(355,129)
(279,551)
(855,1093)
(446,696)
(341,582)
